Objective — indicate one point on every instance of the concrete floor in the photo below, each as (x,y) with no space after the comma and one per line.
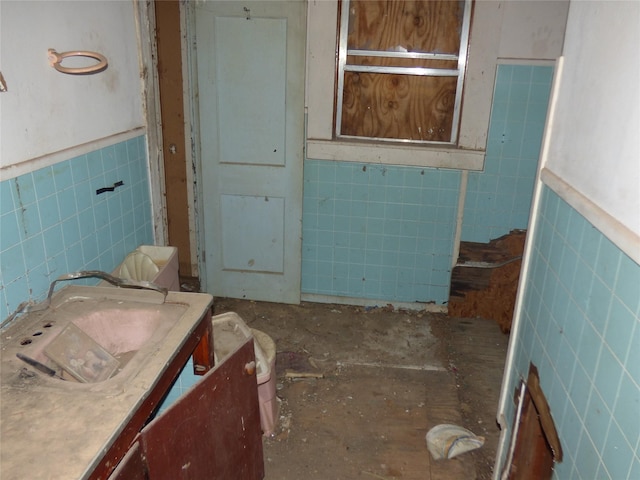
(388,376)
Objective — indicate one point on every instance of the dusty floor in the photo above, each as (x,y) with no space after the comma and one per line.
(388,377)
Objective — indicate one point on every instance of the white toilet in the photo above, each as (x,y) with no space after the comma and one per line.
(153,264)
(229,331)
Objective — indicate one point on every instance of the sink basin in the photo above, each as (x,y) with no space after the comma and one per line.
(93,339)
(74,428)
(120,330)
(104,337)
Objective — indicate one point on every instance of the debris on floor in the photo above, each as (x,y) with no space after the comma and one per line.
(449,441)
(387,379)
(297,365)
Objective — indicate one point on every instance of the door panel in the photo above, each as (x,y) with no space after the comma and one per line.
(250,69)
(249,221)
(251,102)
(213,430)
(132,466)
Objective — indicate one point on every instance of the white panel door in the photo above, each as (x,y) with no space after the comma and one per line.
(250,62)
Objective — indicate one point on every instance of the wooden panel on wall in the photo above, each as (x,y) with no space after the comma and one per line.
(417,26)
(537,444)
(389,104)
(407,107)
(484,282)
(173,138)
(533,459)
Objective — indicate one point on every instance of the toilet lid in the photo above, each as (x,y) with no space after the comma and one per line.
(138,266)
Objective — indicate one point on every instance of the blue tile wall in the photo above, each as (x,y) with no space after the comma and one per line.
(52,222)
(378,231)
(498,199)
(385,232)
(186,379)
(581,327)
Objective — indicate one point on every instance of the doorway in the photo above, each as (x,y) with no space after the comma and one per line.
(178,177)
(250,89)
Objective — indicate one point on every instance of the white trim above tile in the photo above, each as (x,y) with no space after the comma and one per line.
(12,171)
(623,237)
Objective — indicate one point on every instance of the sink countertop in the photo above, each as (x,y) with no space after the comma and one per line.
(61,430)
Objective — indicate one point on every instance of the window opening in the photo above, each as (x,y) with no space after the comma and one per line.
(401,68)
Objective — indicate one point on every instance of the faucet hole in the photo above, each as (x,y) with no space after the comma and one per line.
(26,341)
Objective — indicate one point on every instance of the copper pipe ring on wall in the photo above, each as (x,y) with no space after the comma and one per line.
(55,60)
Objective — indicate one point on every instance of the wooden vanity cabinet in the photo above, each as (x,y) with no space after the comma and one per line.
(132,466)
(211,432)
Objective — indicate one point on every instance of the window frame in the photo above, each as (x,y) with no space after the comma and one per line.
(459,72)
(321,83)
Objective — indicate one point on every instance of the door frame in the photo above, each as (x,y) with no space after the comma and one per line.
(176,127)
(148,54)
(192,131)
(146,24)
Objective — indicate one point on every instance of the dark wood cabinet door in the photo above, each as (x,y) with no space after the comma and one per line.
(132,466)
(213,430)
